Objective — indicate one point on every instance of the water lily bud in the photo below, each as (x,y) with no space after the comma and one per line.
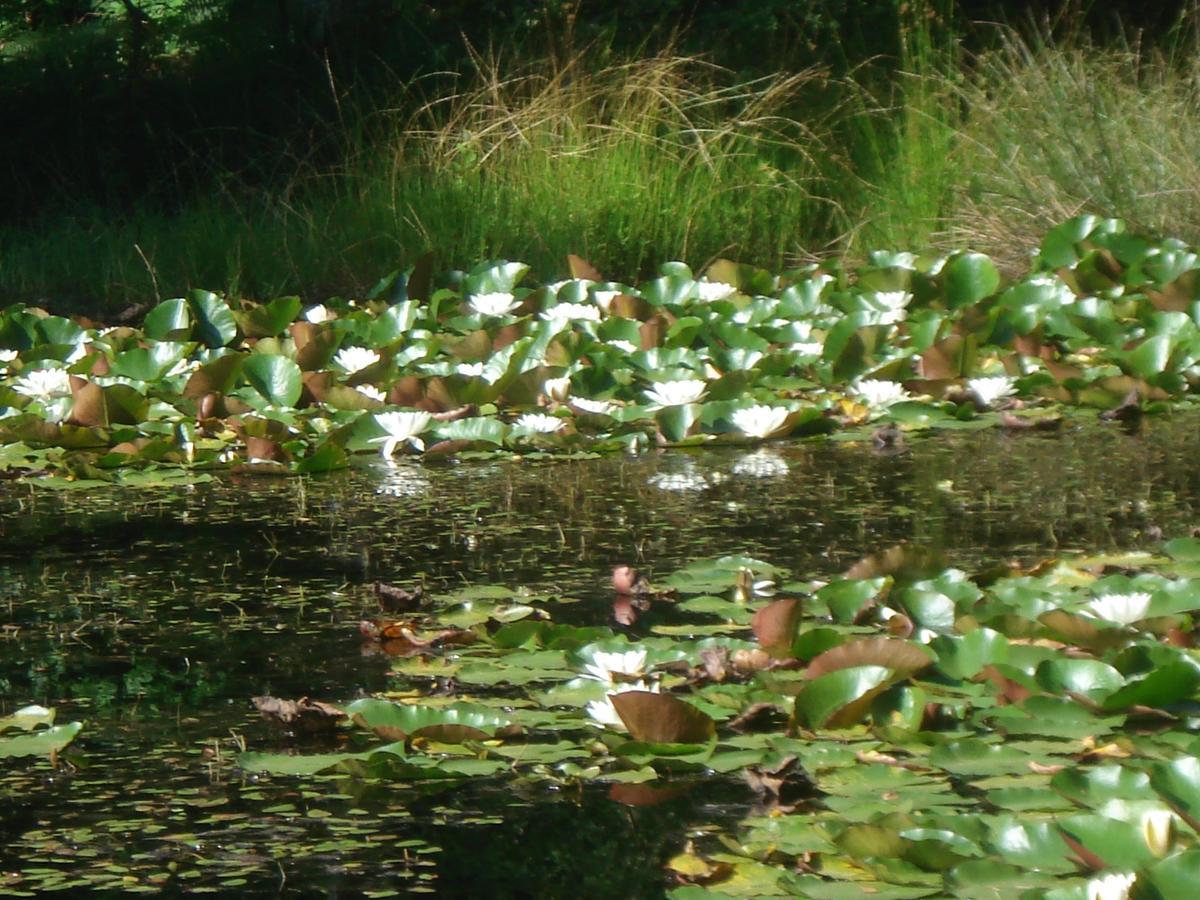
(623,579)
(743,585)
(557,388)
(1158,830)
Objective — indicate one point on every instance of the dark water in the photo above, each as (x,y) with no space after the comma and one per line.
(154,616)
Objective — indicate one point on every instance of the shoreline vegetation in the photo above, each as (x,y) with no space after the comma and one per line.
(976,136)
(495,360)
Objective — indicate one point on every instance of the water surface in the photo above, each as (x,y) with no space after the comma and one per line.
(154,616)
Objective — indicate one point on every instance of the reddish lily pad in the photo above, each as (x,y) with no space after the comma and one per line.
(662,718)
(775,626)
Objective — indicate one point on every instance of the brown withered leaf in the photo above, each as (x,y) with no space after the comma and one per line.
(303,715)
(401,638)
(397,599)
(747,662)
(714,661)
(1010,691)
(784,781)
(758,717)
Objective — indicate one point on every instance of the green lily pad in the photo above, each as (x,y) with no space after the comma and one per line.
(44,742)
(449,725)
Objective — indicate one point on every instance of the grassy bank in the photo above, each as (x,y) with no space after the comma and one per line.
(629,161)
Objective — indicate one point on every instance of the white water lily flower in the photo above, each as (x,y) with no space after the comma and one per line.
(355,359)
(880,394)
(471,370)
(893,303)
(557,388)
(602,712)
(605,664)
(760,421)
(540,423)
(43,384)
(893,299)
(317,314)
(371,391)
(1124,609)
(598,407)
(7,356)
(1158,831)
(677,393)
(710,291)
(496,303)
(807,348)
(762,463)
(990,388)
(572,312)
(401,427)
(184,366)
(604,299)
(555,286)
(624,346)
(1113,886)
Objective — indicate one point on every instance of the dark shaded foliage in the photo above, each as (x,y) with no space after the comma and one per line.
(127,100)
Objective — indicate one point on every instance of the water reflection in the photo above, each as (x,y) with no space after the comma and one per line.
(155,615)
(402,480)
(762,463)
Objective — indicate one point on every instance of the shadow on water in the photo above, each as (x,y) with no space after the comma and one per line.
(155,616)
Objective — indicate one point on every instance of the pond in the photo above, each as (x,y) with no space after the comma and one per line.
(154,616)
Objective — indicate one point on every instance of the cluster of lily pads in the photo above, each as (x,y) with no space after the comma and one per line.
(485,361)
(30,731)
(907,730)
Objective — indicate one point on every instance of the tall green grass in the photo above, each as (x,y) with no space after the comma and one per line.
(1051,129)
(627,163)
(630,161)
